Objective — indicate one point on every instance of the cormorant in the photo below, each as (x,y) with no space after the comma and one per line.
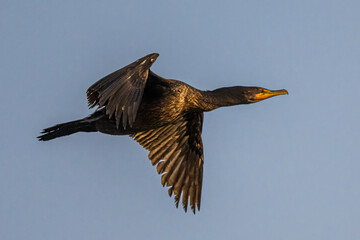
(165,116)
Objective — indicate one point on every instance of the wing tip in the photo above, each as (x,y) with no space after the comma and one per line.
(92,97)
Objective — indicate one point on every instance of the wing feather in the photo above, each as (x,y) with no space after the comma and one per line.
(121,91)
(177,151)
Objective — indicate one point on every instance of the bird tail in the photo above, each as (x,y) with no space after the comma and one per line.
(64,129)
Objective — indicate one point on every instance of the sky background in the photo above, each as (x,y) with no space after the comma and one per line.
(285,168)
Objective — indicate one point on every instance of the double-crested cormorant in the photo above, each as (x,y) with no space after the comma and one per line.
(165,116)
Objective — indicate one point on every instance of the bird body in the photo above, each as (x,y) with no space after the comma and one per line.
(165,116)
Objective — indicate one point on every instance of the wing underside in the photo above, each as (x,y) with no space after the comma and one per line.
(177,151)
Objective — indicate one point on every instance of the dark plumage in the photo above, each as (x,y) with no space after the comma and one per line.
(165,116)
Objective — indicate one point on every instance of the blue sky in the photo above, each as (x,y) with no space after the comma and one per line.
(285,168)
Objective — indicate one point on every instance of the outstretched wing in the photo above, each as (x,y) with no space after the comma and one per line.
(121,91)
(177,150)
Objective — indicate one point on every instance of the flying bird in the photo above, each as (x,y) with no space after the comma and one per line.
(165,116)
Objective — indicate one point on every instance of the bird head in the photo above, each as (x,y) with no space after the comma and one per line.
(256,94)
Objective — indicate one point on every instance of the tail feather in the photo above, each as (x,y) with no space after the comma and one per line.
(65,129)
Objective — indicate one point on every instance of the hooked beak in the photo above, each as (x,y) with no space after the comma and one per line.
(268,94)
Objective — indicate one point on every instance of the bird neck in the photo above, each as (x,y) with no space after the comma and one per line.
(221,97)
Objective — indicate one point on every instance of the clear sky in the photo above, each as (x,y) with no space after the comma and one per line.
(285,168)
